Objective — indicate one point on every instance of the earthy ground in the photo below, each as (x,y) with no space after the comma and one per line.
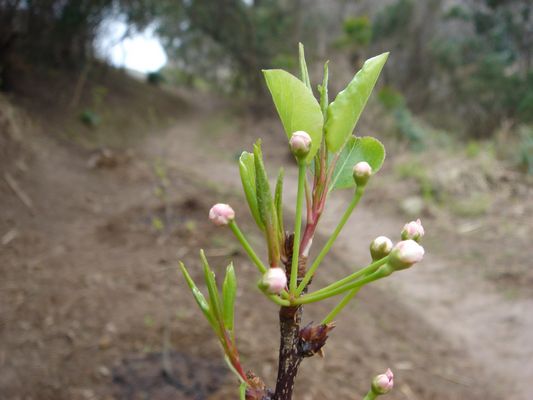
(92,305)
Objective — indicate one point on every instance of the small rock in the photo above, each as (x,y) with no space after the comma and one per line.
(105,342)
(104,371)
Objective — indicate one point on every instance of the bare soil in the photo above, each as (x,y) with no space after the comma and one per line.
(92,305)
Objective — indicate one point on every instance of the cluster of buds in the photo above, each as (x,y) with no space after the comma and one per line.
(406,252)
(321,140)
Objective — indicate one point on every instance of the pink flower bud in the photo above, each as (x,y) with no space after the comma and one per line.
(221,214)
(300,143)
(405,254)
(413,230)
(361,173)
(274,280)
(383,383)
(380,247)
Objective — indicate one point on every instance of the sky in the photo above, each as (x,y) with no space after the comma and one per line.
(142,51)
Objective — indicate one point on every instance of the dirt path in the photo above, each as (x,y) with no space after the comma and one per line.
(453,298)
(86,284)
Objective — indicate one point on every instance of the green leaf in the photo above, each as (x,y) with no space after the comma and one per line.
(229,291)
(214,298)
(297,107)
(265,204)
(357,149)
(345,111)
(247,171)
(278,202)
(303,67)
(200,299)
(323,90)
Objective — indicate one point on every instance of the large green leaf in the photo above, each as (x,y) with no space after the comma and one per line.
(247,171)
(297,107)
(357,149)
(345,111)
(229,291)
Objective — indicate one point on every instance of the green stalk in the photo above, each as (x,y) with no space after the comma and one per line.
(279,301)
(338,308)
(357,274)
(297,226)
(309,274)
(370,395)
(313,298)
(246,246)
(250,251)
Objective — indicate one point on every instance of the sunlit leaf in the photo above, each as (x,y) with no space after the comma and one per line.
(344,112)
(357,149)
(297,107)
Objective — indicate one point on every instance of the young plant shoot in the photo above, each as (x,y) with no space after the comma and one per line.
(329,158)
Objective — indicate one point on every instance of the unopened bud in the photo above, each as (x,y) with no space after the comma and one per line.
(413,230)
(383,383)
(361,173)
(380,247)
(300,143)
(274,280)
(405,254)
(221,214)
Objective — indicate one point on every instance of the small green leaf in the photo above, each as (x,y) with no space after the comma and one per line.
(357,149)
(297,107)
(323,90)
(200,299)
(265,204)
(345,111)
(229,291)
(214,298)
(278,201)
(303,67)
(247,171)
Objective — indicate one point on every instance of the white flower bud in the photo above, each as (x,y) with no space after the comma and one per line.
(274,280)
(383,383)
(413,230)
(221,214)
(405,254)
(380,247)
(361,173)
(300,143)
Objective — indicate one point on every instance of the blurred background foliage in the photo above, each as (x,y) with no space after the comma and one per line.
(462,66)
